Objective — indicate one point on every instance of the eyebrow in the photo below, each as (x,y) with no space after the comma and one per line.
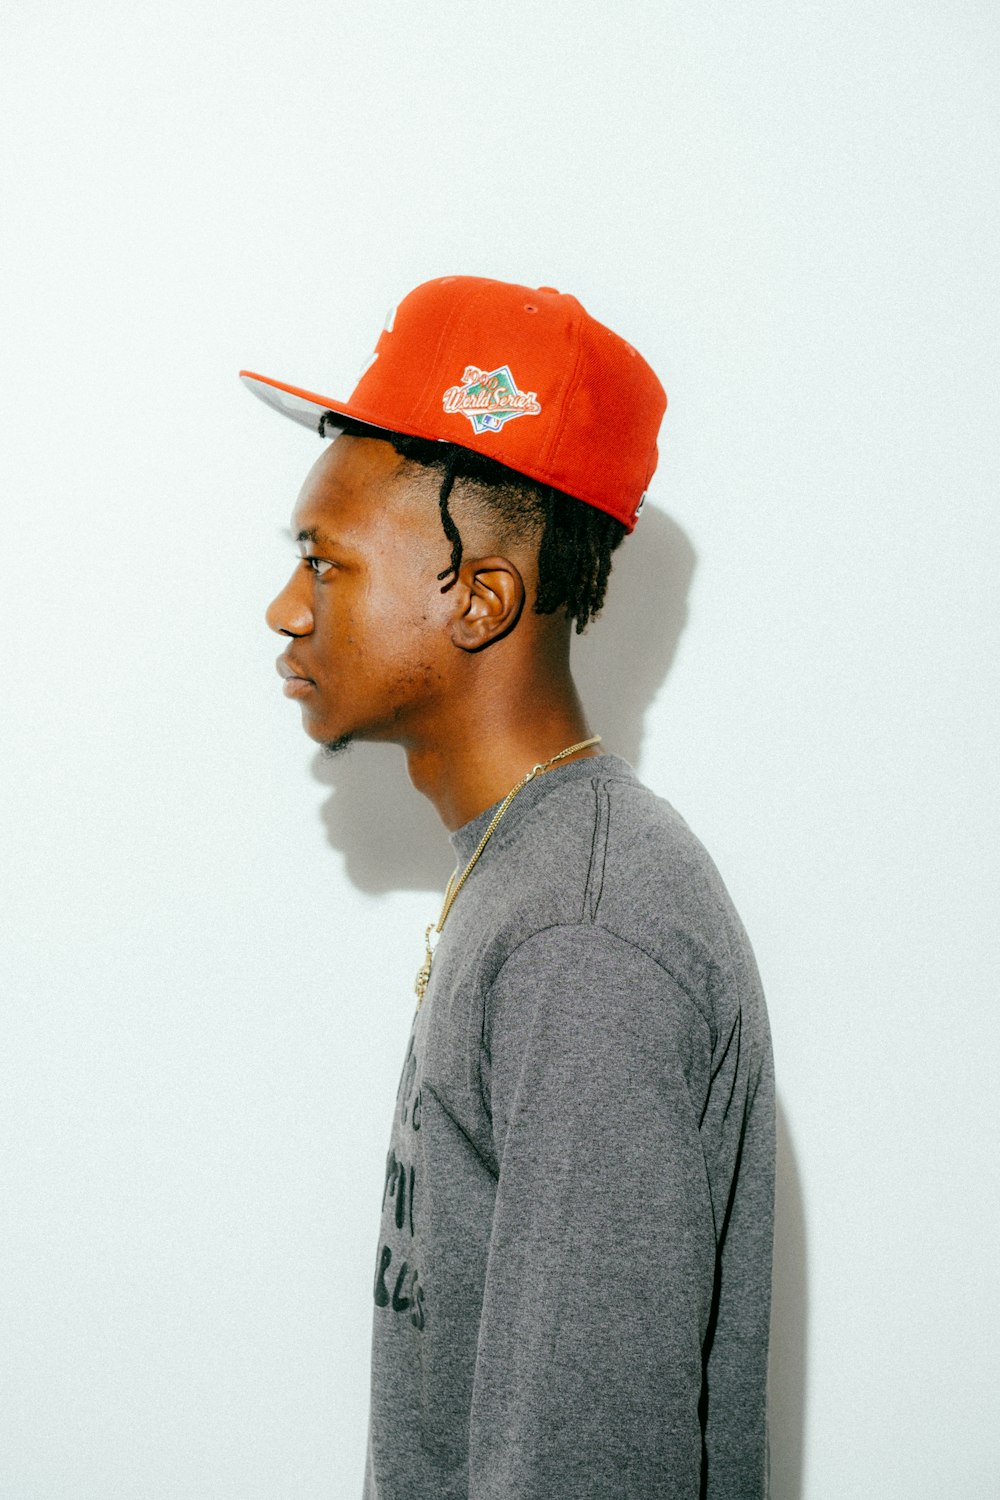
(313,534)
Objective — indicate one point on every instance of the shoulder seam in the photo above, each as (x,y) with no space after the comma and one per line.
(625,943)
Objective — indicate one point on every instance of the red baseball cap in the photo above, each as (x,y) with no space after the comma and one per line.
(523,375)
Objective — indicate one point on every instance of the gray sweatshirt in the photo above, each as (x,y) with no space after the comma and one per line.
(572,1286)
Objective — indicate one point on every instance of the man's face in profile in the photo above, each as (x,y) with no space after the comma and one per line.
(363,611)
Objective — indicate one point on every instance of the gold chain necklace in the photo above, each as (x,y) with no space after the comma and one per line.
(454,886)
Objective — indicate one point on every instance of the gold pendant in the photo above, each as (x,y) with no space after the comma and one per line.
(423,978)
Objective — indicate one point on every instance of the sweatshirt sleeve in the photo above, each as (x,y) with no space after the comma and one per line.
(601,1261)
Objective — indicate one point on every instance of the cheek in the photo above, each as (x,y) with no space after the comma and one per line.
(402,614)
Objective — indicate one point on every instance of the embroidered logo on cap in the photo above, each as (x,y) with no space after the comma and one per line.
(489,398)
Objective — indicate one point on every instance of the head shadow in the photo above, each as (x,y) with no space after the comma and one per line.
(392,839)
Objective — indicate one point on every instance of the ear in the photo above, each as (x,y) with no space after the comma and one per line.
(487,598)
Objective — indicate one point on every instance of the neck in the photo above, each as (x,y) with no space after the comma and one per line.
(492,742)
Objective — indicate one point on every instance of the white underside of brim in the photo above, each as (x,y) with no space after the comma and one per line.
(300,408)
(289,404)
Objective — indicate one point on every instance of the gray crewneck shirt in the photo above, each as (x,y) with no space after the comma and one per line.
(572,1286)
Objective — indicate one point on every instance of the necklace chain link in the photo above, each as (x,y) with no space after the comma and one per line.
(454,886)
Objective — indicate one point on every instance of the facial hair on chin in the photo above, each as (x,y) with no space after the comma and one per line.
(334,747)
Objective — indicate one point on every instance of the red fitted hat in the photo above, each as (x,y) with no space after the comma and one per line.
(523,375)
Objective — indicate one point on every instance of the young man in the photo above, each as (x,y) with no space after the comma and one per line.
(572,1283)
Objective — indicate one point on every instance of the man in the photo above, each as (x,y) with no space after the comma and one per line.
(572,1283)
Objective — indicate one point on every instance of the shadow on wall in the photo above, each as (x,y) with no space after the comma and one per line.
(391,837)
(789,1324)
(622,661)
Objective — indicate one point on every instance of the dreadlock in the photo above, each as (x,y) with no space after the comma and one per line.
(576,540)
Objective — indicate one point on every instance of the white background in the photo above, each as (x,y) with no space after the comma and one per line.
(209,935)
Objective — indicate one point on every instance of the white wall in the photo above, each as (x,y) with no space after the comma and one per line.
(790,209)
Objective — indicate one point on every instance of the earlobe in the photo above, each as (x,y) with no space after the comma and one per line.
(489,597)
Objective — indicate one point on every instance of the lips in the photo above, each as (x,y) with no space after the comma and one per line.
(297,684)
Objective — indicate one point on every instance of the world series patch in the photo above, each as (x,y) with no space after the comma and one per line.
(489,398)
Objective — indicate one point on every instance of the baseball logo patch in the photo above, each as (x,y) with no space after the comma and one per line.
(489,398)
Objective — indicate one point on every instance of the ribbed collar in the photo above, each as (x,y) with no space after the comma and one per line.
(465,840)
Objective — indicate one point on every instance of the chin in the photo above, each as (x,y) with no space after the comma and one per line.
(324,729)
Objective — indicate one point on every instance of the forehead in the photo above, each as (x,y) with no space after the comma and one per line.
(350,489)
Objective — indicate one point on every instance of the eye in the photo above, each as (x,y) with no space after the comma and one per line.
(318,566)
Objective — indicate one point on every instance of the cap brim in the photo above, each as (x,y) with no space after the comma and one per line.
(305,407)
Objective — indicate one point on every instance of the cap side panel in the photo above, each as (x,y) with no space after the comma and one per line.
(565,397)
(595,407)
(531,340)
(403,391)
(429,390)
(478,338)
(618,393)
(571,388)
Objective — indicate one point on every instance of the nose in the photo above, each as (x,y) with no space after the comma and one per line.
(288,612)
